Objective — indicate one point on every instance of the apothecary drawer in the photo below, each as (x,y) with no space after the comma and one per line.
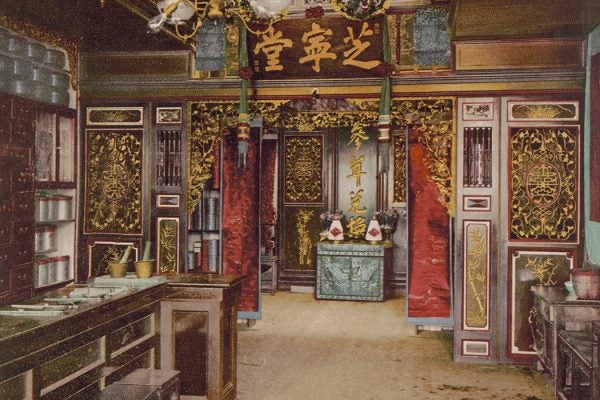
(23,231)
(21,277)
(24,206)
(23,133)
(5,257)
(23,180)
(23,252)
(4,234)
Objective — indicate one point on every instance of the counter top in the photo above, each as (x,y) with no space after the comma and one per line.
(24,323)
(559,295)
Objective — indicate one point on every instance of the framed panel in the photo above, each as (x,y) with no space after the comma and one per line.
(529,267)
(168,244)
(99,253)
(303,169)
(167,200)
(543,111)
(477,203)
(544,184)
(114,116)
(478,111)
(478,348)
(169,115)
(301,232)
(113,181)
(476,275)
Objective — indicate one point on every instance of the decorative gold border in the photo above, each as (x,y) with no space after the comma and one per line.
(544,110)
(115,116)
(163,118)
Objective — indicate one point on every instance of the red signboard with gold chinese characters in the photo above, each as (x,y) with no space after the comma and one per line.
(317,48)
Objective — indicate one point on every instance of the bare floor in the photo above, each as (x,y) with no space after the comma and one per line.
(307,349)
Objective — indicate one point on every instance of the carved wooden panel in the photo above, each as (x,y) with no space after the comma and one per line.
(303,169)
(113,181)
(544,183)
(476,275)
(168,244)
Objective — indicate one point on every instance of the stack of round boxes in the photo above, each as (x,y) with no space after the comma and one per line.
(30,69)
(51,208)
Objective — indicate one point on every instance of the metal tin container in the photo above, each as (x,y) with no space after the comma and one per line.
(35,51)
(52,208)
(55,58)
(41,209)
(61,264)
(45,238)
(22,69)
(64,207)
(60,97)
(42,271)
(17,45)
(60,80)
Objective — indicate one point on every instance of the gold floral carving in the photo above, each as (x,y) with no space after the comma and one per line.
(303,218)
(167,244)
(543,193)
(399,140)
(432,117)
(113,181)
(476,276)
(47,37)
(303,173)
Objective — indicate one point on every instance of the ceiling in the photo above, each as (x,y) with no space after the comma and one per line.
(120,25)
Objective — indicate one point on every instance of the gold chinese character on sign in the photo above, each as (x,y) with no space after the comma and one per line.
(356,227)
(358,46)
(357,136)
(355,199)
(317,48)
(356,168)
(272,44)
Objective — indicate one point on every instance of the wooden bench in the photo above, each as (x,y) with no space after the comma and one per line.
(578,364)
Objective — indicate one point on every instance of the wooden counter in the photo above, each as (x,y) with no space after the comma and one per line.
(73,356)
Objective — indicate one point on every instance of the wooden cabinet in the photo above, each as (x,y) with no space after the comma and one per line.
(17,138)
(351,271)
(554,311)
(26,163)
(199,335)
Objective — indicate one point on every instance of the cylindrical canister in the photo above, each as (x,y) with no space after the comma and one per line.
(45,238)
(42,272)
(61,263)
(42,208)
(64,207)
(52,278)
(52,208)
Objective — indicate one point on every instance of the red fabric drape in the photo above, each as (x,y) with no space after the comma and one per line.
(429,276)
(241,218)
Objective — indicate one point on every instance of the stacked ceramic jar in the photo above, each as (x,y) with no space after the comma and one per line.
(30,69)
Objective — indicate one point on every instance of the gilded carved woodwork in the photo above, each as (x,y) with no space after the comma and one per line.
(399,148)
(434,118)
(303,176)
(476,275)
(543,111)
(543,184)
(168,239)
(113,181)
(303,218)
(48,37)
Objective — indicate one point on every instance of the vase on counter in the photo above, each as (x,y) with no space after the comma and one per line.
(373,234)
